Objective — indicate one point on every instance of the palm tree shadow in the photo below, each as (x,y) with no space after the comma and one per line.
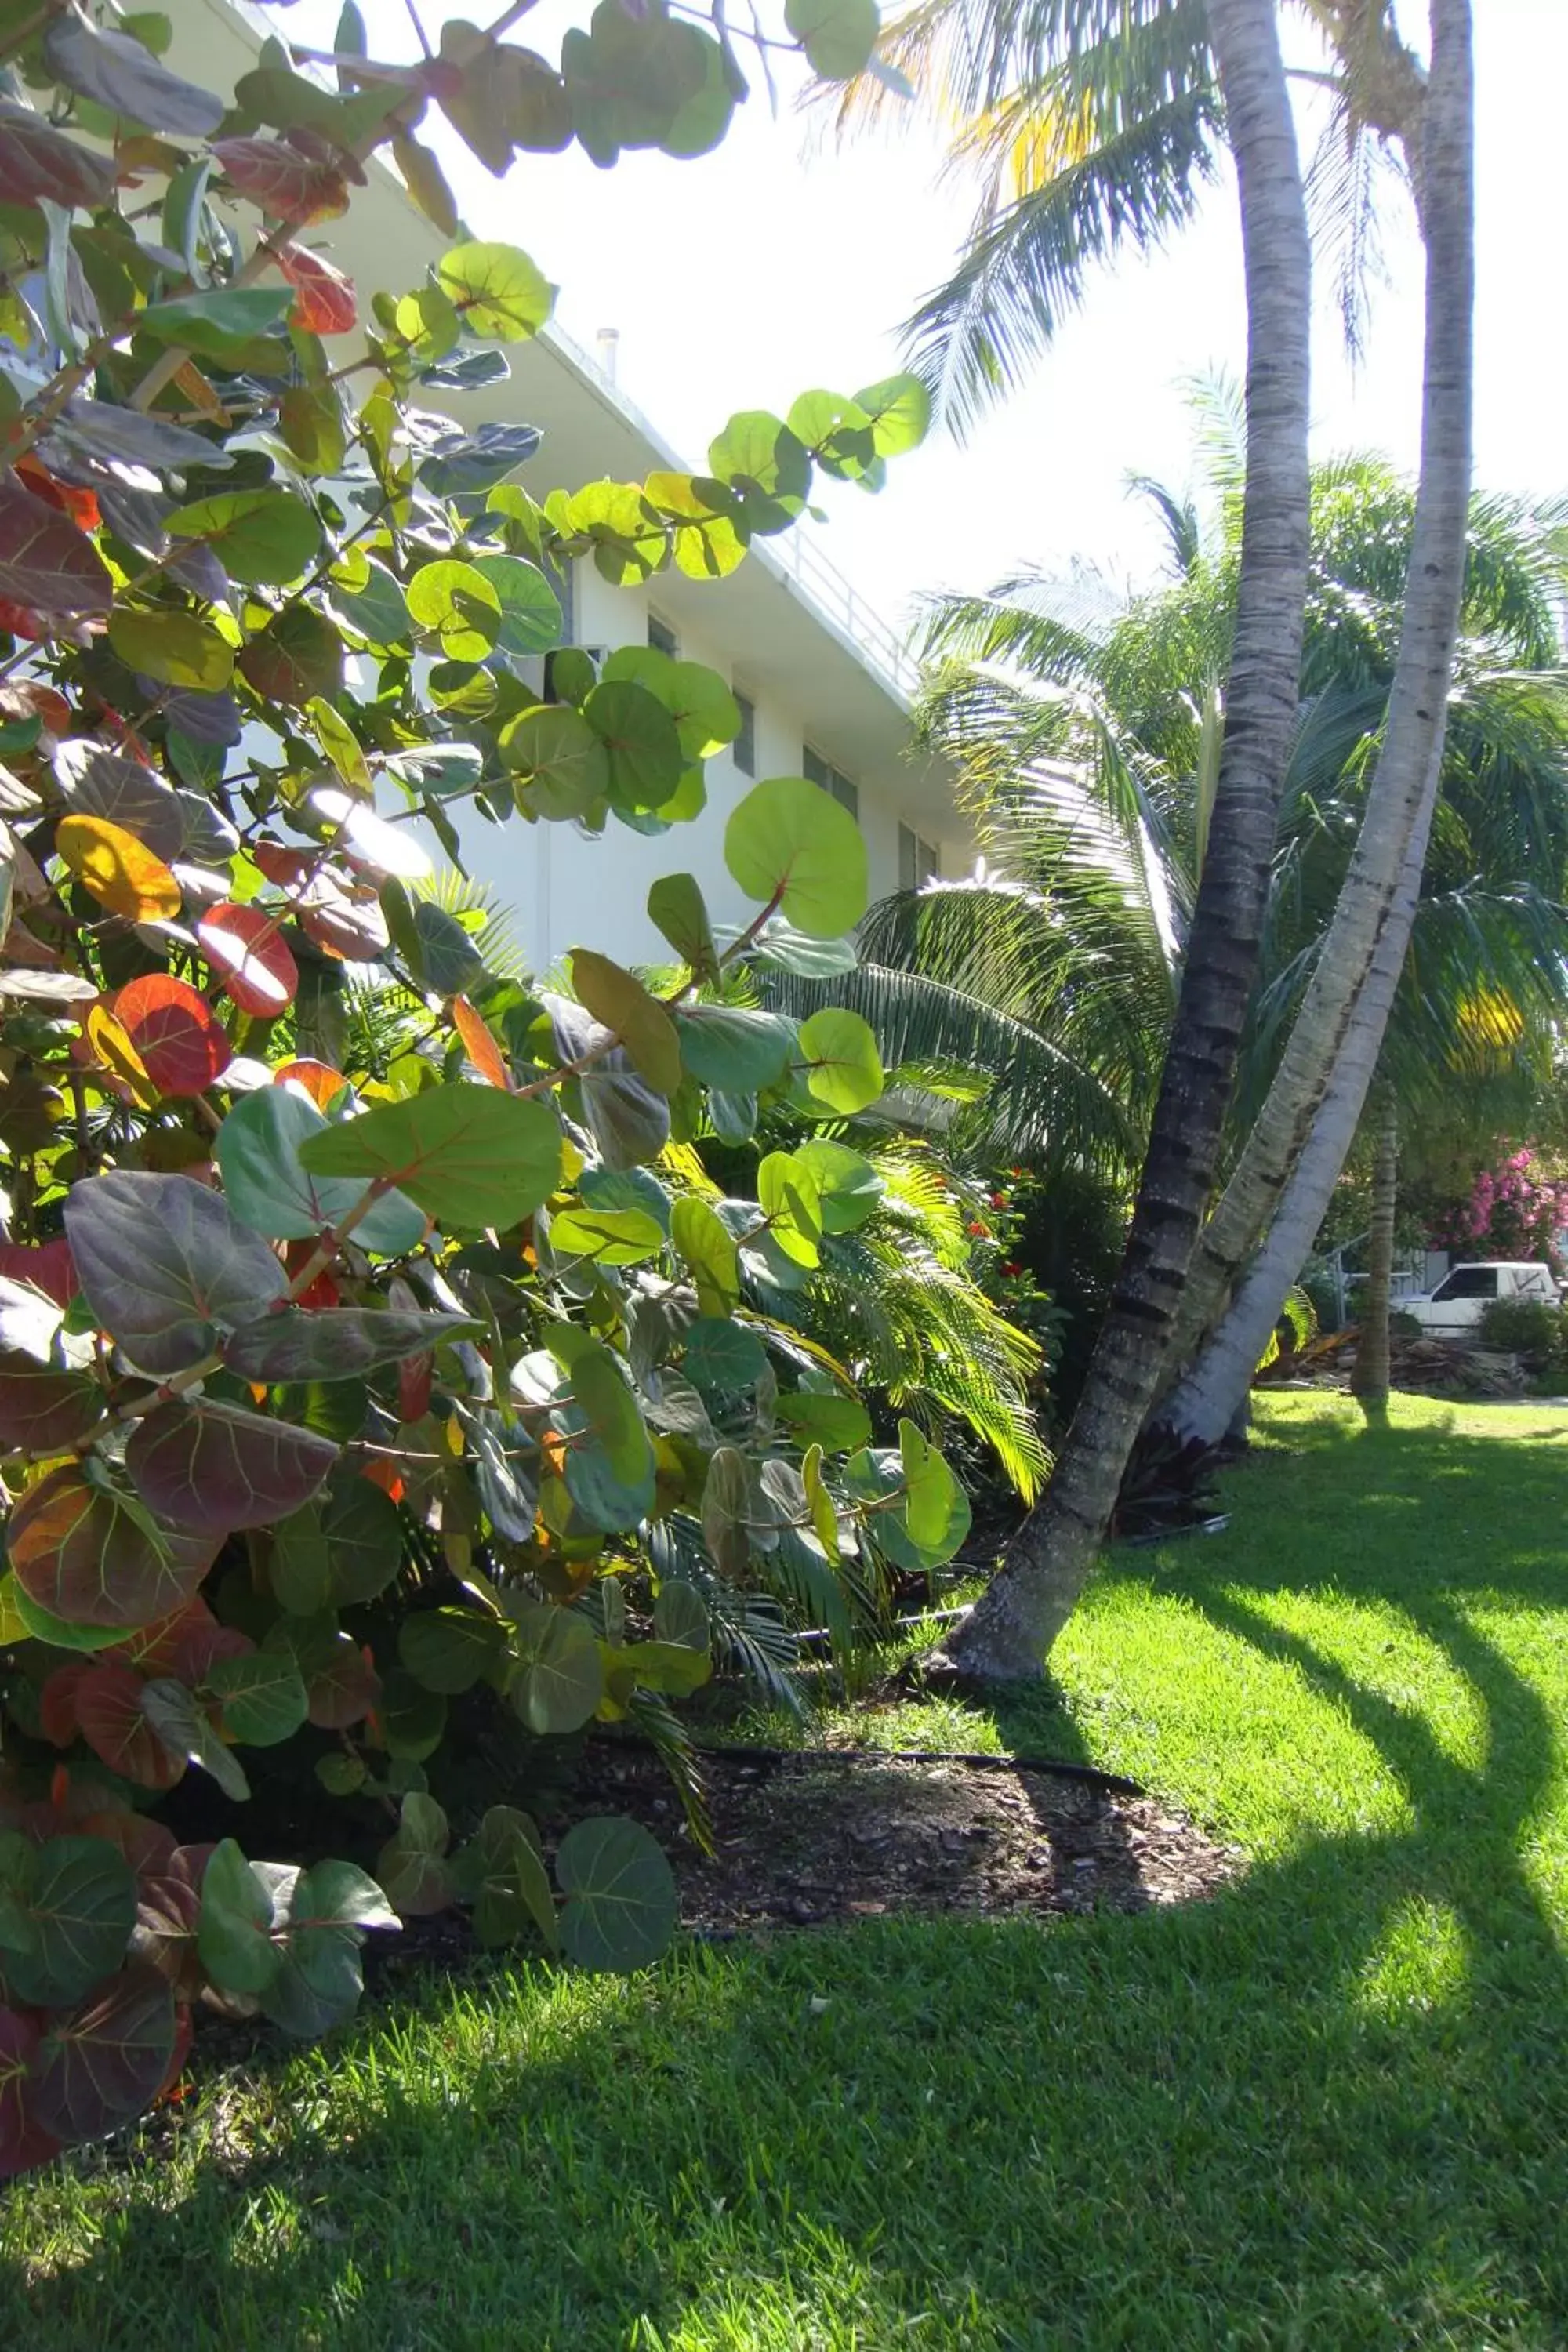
(1232,2060)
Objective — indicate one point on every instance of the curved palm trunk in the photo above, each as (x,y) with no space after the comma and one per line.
(1399,802)
(1204,1404)
(1018,1618)
(1368,1374)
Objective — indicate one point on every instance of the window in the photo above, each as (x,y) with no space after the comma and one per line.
(743,749)
(817,771)
(1468,1282)
(662,638)
(918,861)
(1536,1283)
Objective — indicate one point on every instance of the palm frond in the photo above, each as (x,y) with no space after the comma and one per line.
(1028,260)
(493,924)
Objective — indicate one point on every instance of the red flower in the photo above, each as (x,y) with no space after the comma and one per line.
(1012,1267)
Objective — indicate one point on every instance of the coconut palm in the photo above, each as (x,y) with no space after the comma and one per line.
(1084,734)
(1101,121)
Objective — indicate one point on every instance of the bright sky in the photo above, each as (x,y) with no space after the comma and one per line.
(779,263)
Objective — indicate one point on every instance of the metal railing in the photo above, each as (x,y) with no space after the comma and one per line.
(875,640)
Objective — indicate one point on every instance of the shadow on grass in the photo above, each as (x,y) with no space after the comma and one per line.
(1326,2109)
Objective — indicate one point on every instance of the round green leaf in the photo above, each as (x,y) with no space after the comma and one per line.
(837,36)
(264,539)
(469,1154)
(530,608)
(234,1936)
(364,1537)
(843,1069)
(606,1236)
(270,1190)
(262,1695)
(848,1185)
(792,845)
(501,1873)
(611,1411)
(77,1908)
(560,765)
(457,603)
(621,1906)
(174,648)
(837,1424)
(788,1197)
(723,1357)
(708,1249)
(729,1046)
(412,1717)
(680,1615)
(502,296)
(642,740)
(449,1650)
(558,1677)
(899,411)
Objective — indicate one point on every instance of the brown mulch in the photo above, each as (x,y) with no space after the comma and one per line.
(804,1839)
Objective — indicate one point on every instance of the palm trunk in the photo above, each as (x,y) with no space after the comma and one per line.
(1399,802)
(1018,1618)
(1204,1404)
(1369,1375)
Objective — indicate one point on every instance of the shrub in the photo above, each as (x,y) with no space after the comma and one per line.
(372,1363)
(1523,1326)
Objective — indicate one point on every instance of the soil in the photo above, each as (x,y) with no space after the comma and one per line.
(803,1839)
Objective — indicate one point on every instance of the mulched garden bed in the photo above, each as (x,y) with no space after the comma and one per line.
(804,1839)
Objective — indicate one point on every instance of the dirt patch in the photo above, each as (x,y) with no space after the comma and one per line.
(801,1840)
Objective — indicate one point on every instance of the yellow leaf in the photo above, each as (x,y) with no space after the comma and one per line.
(114,1050)
(121,874)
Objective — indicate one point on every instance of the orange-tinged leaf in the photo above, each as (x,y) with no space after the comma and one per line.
(121,874)
(324,299)
(318,1080)
(80,505)
(179,1040)
(243,947)
(479,1045)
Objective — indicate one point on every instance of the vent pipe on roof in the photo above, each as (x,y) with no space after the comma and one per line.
(609,342)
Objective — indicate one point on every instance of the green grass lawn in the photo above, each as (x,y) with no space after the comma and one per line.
(1328,2110)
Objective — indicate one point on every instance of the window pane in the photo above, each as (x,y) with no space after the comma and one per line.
(743,749)
(1468,1282)
(662,638)
(909,862)
(846,794)
(814,768)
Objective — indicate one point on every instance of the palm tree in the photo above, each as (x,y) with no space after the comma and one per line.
(1083,734)
(1099,119)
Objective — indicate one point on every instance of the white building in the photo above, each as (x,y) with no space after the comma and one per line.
(824,683)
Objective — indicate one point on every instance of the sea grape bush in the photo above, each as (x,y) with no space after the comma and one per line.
(335,1404)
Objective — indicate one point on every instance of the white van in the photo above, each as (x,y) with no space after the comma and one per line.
(1465,1293)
